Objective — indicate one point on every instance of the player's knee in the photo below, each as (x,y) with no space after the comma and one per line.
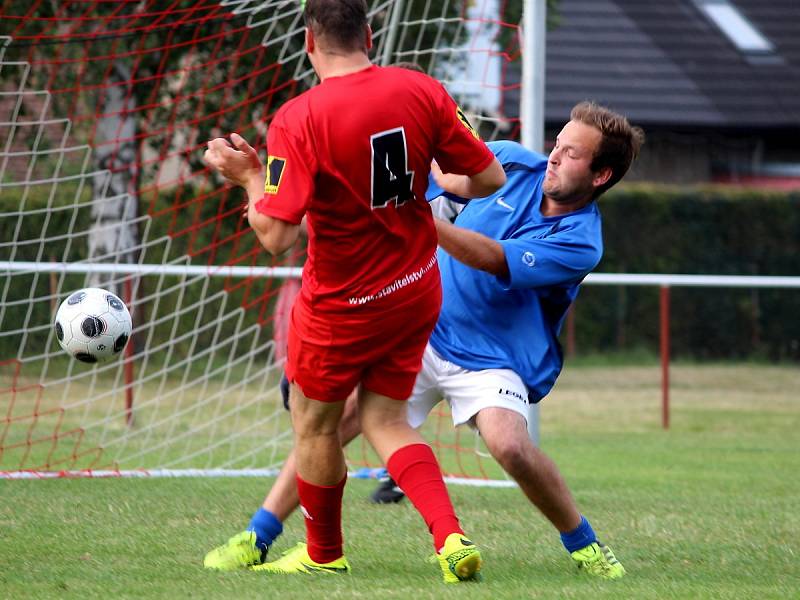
(512,452)
(312,418)
(311,428)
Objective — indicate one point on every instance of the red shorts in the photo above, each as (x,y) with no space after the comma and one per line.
(327,357)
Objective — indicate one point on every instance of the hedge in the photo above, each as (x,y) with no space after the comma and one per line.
(716,231)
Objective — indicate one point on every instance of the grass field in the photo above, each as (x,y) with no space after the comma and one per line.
(708,509)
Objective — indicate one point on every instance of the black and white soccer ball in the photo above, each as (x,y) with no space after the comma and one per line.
(93,325)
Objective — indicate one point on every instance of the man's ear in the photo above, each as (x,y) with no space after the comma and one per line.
(310,41)
(369,37)
(602,176)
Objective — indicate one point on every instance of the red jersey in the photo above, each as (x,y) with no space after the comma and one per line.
(354,154)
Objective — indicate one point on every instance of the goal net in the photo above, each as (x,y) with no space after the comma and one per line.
(105,108)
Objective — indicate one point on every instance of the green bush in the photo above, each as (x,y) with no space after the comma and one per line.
(716,231)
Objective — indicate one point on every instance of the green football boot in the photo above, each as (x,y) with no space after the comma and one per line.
(459,559)
(297,560)
(239,552)
(598,560)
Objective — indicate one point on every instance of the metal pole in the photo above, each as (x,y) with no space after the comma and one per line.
(534,28)
(534,33)
(391,34)
(571,331)
(664,318)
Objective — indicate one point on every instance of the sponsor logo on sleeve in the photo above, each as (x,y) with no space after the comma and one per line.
(528,259)
(465,122)
(275,168)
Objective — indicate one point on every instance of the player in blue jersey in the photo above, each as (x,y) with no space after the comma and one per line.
(511,265)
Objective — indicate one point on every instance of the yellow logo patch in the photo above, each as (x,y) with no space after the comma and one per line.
(275,168)
(465,122)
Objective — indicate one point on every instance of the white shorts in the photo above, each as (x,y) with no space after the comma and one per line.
(467,392)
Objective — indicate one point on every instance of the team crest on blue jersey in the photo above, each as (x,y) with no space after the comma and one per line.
(275,168)
(465,122)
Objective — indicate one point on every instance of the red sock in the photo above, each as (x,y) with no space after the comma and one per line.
(416,471)
(321,506)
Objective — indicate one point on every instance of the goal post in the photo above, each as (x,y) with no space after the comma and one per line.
(105,108)
(534,34)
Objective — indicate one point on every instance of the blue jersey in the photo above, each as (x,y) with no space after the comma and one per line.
(490,322)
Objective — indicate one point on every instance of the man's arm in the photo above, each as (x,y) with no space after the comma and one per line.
(472,248)
(480,185)
(275,235)
(240,165)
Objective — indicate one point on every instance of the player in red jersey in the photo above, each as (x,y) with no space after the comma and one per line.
(353,155)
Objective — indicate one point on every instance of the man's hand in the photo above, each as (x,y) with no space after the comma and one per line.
(238,164)
(449,182)
(479,185)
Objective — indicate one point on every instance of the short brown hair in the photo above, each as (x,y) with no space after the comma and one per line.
(341,22)
(619,145)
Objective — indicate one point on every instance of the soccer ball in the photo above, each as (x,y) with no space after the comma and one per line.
(93,325)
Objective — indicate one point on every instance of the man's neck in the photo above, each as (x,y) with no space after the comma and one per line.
(338,65)
(551,208)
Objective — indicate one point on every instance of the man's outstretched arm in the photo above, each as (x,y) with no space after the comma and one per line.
(472,248)
(239,165)
(480,185)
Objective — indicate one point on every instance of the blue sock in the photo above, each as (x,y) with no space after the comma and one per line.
(580,537)
(266,527)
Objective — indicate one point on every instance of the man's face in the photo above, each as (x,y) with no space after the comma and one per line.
(569,176)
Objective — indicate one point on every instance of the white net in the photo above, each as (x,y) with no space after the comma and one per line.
(104,110)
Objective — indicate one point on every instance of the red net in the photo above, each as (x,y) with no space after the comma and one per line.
(105,109)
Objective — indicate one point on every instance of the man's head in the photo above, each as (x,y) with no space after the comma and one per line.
(338,26)
(592,153)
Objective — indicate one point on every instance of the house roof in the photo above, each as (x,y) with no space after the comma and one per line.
(665,63)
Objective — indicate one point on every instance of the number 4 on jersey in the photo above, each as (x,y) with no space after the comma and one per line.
(391,179)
